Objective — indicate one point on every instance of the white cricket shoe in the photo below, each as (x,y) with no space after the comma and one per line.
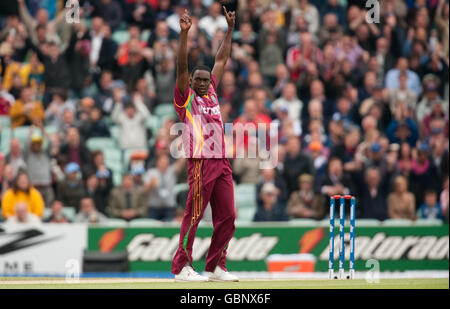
(221,275)
(189,274)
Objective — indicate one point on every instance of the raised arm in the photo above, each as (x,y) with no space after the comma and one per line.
(182,57)
(225,48)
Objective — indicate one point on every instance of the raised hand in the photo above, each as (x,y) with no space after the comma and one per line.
(231,18)
(185,21)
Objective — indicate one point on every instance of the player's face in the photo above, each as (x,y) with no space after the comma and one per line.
(200,82)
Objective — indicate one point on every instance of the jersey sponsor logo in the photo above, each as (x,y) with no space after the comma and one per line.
(210,110)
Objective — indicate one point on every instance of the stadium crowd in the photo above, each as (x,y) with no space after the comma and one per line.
(361,101)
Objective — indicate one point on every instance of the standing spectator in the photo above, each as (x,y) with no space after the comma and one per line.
(140,13)
(272,210)
(127,202)
(38,160)
(57,215)
(6,99)
(110,11)
(305,203)
(289,100)
(88,213)
(430,208)
(270,56)
(159,185)
(131,117)
(22,191)
(15,157)
(26,111)
(71,190)
(213,21)
(401,203)
(74,150)
(23,216)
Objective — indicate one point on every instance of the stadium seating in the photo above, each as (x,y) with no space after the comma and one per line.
(120,36)
(397,222)
(162,111)
(5,122)
(246,195)
(143,222)
(114,222)
(245,215)
(21,133)
(100,143)
(5,137)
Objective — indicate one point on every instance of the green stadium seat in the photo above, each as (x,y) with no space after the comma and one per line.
(115,132)
(51,129)
(117,178)
(144,222)
(304,222)
(153,123)
(46,214)
(245,215)
(112,155)
(5,122)
(114,222)
(69,212)
(21,133)
(164,110)
(120,36)
(115,166)
(428,222)
(180,187)
(398,222)
(246,195)
(100,143)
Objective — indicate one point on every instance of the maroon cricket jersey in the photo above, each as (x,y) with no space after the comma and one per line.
(203,134)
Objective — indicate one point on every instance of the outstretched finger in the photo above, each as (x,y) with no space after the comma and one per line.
(225,9)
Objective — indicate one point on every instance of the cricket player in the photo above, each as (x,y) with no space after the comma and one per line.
(210,179)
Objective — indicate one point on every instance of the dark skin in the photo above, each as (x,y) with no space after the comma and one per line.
(201,79)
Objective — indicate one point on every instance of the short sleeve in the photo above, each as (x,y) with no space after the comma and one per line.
(181,100)
(214,82)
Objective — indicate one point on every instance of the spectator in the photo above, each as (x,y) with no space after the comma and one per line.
(271,176)
(272,210)
(98,191)
(110,11)
(71,190)
(74,150)
(430,208)
(310,13)
(290,101)
(88,213)
(159,186)
(336,181)
(430,95)
(6,100)
(6,177)
(127,202)
(295,163)
(213,21)
(57,215)
(131,117)
(374,193)
(401,203)
(392,80)
(22,215)
(305,203)
(38,160)
(56,108)
(15,157)
(270,56)
(402,94)
(22,191)
(141,14)
(94,126)
(26,111)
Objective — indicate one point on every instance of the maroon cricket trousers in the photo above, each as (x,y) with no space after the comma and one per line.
(210,180)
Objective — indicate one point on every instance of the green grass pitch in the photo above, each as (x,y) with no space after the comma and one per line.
(58,283)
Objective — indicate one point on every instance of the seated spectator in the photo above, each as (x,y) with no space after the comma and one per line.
(127,202)
(272,209)
(430,95)
(71,190)
(22,191)
(336,181)
(159,183)
(88,213)
(403,128)
(391,80)
(431,208)
(104,97)
(94,125)
(305,203)
(38,159)
(374,195)
(141,14)
(110,11)
(271,176)
(104,173)
(131,117)
(138,174)
(402,94)
(57,215)
(98,190)
(26,111)
(56,108)
(296,162)
(290,101)
(23,216)
(74,150)
(6,177)
(401,203)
